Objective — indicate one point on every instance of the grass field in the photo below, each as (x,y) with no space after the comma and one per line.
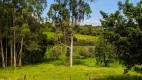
(78,36)
(85,37)
(50,71)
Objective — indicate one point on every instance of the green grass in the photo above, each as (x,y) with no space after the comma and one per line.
(50,71)
(90,62)
(78,36)
(50,34)
(84,37)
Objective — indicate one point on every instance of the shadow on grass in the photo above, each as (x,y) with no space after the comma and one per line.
(138,69)
(78,62)
(123,77)
(64,62)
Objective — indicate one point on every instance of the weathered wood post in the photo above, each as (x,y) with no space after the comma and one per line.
(24,77)
(34,78)
(70,77)
(89,78)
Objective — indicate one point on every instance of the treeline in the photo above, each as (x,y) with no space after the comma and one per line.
(90,30)
(84,30)
(21,37)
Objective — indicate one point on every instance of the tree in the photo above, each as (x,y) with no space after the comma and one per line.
(2,28)
(68,14)
(25,31)
(16,25)
(125,32)
(104,51)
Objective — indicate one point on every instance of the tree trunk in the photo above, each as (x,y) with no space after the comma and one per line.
(2,54)
(65,41)
(71,51)
(14,45)
(11,54)
(6,54)
(105,63)
(20,57)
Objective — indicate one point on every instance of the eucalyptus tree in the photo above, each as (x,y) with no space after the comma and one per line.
(24,33)
(3,24)
(30,8)
(69,13)
(15,16)
(21,10)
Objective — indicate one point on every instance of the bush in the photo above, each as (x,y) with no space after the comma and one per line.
(105,52)
(51,41)
(37,53)
(138,69)
(56,52)
(86,52)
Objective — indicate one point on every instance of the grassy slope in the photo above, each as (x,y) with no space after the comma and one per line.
(85,37)
(48,71)
(78,36)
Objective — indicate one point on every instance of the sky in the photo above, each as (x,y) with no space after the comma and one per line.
(108,6)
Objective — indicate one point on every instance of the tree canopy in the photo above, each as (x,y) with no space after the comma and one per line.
(125,32)
(21,31)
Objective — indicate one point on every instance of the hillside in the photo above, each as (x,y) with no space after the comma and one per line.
(78,36)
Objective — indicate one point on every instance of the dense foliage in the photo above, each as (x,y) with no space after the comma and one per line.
(125,32)
(104,52)
(21,37)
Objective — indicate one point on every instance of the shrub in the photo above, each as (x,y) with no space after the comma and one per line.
(56,52)
(105,52)
(86,52)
